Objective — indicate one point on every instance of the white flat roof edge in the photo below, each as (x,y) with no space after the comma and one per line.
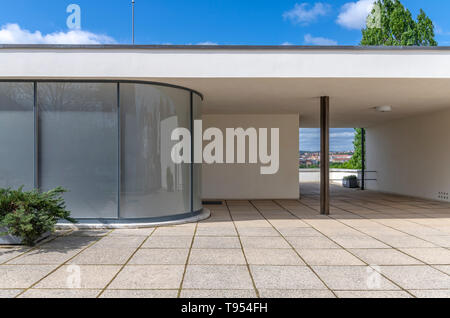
(226,47)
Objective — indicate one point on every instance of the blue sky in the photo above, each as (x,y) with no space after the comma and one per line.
(263,22)
(341,139)
(216,21)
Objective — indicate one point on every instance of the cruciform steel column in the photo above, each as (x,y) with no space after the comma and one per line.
(363,158)
(325,155)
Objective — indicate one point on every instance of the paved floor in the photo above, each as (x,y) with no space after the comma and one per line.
(372,245)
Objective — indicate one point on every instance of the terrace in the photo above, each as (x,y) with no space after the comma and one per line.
(372,245)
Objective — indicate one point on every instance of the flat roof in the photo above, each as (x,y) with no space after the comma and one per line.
(225,47)
(247,79)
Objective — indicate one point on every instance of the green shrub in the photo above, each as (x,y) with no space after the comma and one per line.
(30,214)
(350,177)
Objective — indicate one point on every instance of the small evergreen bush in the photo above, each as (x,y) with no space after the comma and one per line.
(30,214)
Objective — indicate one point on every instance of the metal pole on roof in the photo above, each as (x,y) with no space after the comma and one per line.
(132,3)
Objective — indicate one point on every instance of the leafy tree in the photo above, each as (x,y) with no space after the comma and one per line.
(391,24)
(356,161)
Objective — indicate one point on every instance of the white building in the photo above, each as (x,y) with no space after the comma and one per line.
(91,118)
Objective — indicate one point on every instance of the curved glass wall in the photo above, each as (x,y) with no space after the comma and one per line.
(108,143)
(17,124)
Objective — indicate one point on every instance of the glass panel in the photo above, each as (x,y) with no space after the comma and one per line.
(151,184)
(16,135)
(78,145)
(197,187)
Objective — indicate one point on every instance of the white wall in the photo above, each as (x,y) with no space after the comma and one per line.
(336,175)
(225,63)
(411,156)
(244,181)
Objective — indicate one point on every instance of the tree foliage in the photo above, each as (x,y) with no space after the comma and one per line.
(356,161)
(30,214)
(391,24)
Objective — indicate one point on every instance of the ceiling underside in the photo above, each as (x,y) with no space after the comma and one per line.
(351,100)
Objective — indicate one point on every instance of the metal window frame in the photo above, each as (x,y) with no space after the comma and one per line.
(37,134)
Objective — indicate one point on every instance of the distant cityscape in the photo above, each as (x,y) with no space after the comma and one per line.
(311,159)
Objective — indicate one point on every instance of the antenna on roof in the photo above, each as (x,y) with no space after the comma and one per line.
(132,3)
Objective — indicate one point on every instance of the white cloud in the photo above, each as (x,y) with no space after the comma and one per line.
(439,31)
(207,43)
(342,135)
(14,34)
(301,14)
(353,15)
(309,39)
(286,43)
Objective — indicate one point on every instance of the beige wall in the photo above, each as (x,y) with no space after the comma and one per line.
(244,181)
(411,156)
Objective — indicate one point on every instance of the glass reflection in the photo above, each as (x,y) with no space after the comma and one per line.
(151,184)
(16,135)
(78,145)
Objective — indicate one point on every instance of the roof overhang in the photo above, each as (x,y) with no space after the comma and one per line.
(261,79)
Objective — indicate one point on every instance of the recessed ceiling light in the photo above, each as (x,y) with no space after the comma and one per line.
(383,109)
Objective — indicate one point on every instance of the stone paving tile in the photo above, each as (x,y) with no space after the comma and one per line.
(358,242)
(404,241)
(353,278)
(148,277)
(216,242)
(9,293)
(120,242)
(264,242)
(299,231)
(132,232)
(429,255)
(285,293)
(272,257)
(311,242)
(417,277)
(257,231)
(202,293)
(60,293)
(92,233)
(80,277)
(443,241)
(22,276)
(115,293)
(99,255)
(217,277)
(174,231)
(431,293)
(217,256)
(285,277)
(443,268)
(160,257)
(384,257)
(217,231)
(328,257)
(70,242)
(45,257)
(168,242)
(373,294)
(7,254)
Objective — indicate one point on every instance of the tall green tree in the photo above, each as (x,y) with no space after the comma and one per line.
(356,161)
(391,24)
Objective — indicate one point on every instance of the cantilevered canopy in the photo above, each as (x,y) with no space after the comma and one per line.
(243,79)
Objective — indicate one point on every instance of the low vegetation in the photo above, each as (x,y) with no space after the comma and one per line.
(30,214)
